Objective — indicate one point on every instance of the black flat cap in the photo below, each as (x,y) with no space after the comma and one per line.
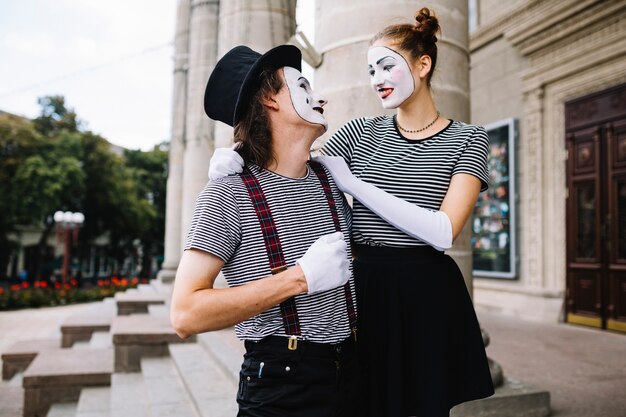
(235,79)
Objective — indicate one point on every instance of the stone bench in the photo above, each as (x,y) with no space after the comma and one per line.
(19,355)
(141,335)
(136,303)
(81,327)
(58,375)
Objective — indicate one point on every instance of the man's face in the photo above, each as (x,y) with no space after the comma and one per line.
(307,103)
(390,76)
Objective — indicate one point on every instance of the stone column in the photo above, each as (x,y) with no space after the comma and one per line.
(199,141)
(175,166)
(343,80)
(531,187)
(259,24)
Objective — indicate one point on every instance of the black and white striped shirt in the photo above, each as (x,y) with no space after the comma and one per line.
(417,171)
(225,224)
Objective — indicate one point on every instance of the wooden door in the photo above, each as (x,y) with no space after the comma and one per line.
(596,210)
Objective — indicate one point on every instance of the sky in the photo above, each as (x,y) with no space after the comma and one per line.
(111,60)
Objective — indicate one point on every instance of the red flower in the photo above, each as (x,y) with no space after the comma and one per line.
(100,283)
(134,281)
(36,284)
(43,284)
(1,290)
(24,284)
(124,282)
(62,293)
(57,285)
(15,287)
(73,282)
(67,286)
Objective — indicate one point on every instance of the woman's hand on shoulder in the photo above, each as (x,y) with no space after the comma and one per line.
(338,168)
(225,162)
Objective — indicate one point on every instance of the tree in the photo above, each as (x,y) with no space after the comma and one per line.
(50,164)
(38,176)
(55,116)
(149,170)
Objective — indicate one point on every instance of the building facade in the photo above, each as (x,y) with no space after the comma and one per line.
(543,69)
(558,70)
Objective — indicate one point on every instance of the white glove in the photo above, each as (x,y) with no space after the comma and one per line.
(432,227)
(325,264)
(225,162)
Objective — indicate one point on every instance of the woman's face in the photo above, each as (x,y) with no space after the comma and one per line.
(390,75)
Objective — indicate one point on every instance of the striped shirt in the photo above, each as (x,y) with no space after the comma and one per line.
(417,171)
(226,225)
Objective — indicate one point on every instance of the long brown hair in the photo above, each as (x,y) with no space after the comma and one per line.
(253,130)
(417,39)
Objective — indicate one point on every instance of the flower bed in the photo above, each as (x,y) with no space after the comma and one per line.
(44,294)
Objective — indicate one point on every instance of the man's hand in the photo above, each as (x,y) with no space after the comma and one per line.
(225,162)
(325,264)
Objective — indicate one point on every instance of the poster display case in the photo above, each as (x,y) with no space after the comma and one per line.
(494,247)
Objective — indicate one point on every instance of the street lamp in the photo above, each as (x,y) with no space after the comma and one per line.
(67,225)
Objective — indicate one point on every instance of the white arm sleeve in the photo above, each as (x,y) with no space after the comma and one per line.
(432,227)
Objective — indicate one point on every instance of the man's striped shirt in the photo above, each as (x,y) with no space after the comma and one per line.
(225,224)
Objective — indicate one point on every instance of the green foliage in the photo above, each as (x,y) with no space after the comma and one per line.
(55,116)
(49,164)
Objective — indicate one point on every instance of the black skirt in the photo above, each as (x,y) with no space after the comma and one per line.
(419,342)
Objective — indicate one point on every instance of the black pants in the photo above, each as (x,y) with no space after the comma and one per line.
(315,380)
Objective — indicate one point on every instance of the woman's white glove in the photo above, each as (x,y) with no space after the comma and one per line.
(325,264)
(225,162)
(432,227)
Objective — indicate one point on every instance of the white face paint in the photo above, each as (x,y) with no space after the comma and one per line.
(307,103)
(390,76)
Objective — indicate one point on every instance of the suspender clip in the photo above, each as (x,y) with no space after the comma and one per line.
(278,269)
(293,343)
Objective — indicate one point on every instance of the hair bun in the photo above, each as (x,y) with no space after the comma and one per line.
(426,24)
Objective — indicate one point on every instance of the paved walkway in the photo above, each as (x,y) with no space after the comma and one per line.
(584,369)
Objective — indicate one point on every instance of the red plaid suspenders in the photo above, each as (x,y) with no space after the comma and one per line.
(274,250)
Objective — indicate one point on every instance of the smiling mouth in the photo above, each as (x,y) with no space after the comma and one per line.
(385,92)
(319,110)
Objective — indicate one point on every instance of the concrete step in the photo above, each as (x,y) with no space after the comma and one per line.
(512,399)
(11,400)
(212,391)
(19,355)
(58,375)
(62,410)
(101,340)
(146,289)
(226,350)
(94,402)
(141,335)
(80,327)
(128,396)
(159,310)
(162,287)
(134,303)
(106,307)
(167,395)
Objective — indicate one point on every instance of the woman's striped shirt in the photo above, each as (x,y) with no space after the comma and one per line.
(225,224)
(417,171)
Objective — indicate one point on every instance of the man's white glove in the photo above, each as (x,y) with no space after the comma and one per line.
(225,162)
(325,264)
(432,227)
